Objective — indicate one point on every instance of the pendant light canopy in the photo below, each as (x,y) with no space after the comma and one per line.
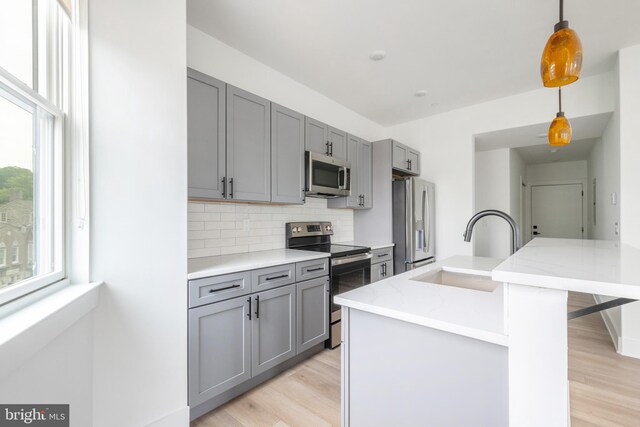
(560,129)
(562,56)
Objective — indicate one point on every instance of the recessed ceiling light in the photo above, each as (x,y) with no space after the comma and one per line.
(377,55)
(420,93)
(542,135)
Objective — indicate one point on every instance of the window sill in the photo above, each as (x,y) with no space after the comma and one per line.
(27,330)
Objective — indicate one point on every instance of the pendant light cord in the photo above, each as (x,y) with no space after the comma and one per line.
(559,100)
(561,10)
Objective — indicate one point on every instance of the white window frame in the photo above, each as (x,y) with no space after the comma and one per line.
(21,94)
(3,258)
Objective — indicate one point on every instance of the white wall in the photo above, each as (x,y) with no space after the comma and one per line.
(139,210)
(446,144)
(492,235)
(266,223)
(629,74)
(61,372)
(517,176)
(229,228)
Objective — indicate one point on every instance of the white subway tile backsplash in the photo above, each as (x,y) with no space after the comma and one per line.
(228,228)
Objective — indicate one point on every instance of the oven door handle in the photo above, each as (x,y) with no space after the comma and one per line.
(350,259)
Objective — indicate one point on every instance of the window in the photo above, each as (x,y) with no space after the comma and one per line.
(35,45)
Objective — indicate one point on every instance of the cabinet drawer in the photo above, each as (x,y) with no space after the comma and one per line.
(272,277)
(312,269)
(382,255)
(218,288)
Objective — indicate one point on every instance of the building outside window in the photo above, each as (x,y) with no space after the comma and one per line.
(35,46)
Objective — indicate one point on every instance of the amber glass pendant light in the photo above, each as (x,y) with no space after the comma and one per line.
(560,129)
(562,56)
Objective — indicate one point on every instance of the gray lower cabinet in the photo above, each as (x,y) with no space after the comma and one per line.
(381,263)
(219,348)
(273,331)
(313,313)
(248,146)
(206,120)
(287,155)
(359,154)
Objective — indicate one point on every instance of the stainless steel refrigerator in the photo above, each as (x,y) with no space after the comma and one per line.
(413,224)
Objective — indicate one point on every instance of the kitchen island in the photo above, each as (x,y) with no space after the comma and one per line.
(474,351)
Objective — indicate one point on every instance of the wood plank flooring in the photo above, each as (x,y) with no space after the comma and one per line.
(605,387)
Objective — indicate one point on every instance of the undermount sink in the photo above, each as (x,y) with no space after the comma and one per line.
(458,280)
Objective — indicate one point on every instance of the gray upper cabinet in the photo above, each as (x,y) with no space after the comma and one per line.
(324,139)
(337,143)
(248,146)
(359,154)
(206,135)
(313,313)
(316,136)
(365,177)
(273,331)
(414,161)
(287,155)
(405,159)
(219,348)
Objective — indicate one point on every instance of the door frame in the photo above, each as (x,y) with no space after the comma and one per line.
(527,235)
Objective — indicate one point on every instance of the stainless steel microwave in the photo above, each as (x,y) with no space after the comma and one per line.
(326,176)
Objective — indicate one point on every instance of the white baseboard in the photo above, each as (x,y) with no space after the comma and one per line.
(629,347)
(178,418)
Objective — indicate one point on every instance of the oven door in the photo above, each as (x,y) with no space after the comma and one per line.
(348,273)
(326,176)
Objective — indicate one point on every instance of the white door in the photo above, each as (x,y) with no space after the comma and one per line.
(556,211)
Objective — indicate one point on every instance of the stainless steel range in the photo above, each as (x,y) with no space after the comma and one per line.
(350,265)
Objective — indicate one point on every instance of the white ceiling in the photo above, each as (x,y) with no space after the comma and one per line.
(537,154)
(463,52)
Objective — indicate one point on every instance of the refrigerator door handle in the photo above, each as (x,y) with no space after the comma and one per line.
(426,235)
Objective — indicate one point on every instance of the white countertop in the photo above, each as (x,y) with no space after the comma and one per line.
(372,244)
(471,313)
(589,266)
(224,264)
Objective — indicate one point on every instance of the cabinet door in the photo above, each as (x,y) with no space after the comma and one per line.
(248,146)
(400,156)
(273,330)
(287,155)
(414,161)
(313,313)
(376,272)
(315,137)
(206,135)
(353,148)
(219,343)
(365,178)
(337,143)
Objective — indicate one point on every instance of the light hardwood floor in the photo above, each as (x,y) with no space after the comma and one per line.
(605,387)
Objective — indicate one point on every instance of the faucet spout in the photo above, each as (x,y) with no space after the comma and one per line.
(515,232)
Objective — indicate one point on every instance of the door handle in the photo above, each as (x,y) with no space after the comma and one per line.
(249,313)
(282,276)
(327,144)
(309,270)
(331,145)
(231,188)
(224,187)
(257,306)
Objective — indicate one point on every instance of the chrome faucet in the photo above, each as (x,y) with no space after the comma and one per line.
(515,233)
